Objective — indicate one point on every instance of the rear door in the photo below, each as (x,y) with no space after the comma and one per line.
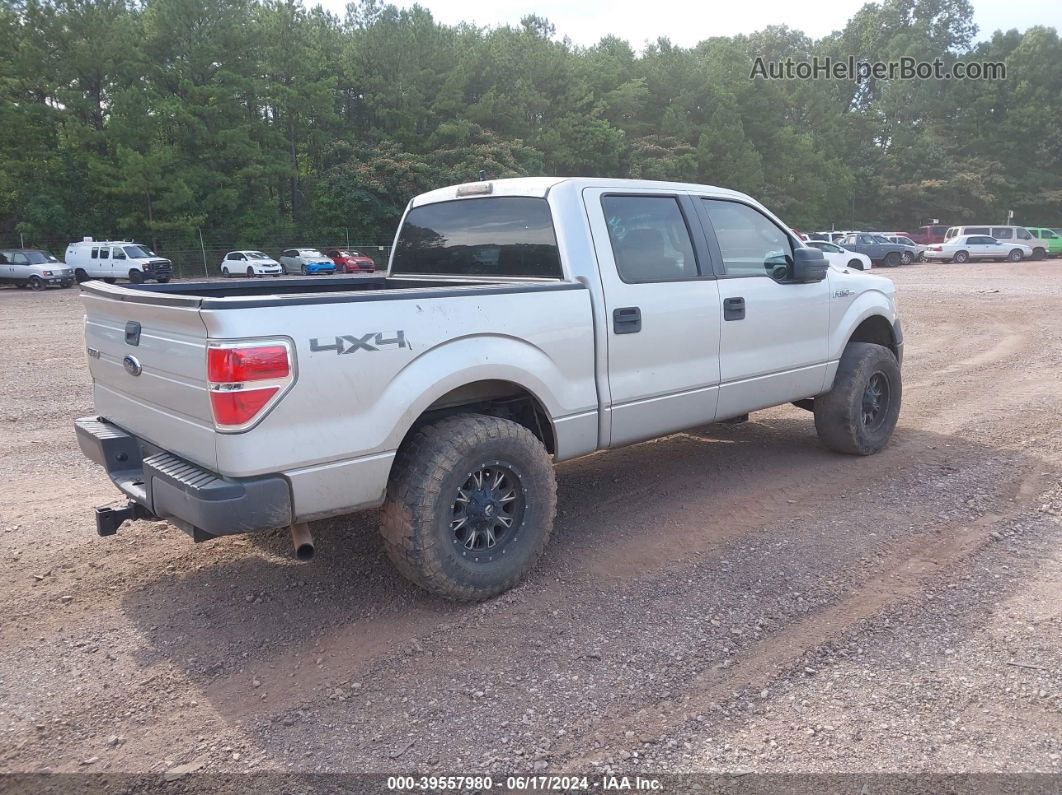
(148,366)
(662,311)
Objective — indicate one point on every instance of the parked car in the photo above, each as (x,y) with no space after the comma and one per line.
(535,319)
(1003,234)
(305,261)
(33,268)
(916,249)
(880,250)
(928,235)
(963,248)
(841,257)
(347,261)
(117,259)
(249,263)
(1049,239)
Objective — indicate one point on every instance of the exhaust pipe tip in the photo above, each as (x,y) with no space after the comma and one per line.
(302,540)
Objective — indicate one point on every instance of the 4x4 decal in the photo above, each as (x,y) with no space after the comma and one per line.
(351,344)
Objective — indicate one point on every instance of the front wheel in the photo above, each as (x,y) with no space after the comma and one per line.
(1015,255)
(302,270)
(250,272)
(136,277)
(470,506)
(858,414)
(80,275)
(163,279)
(855,265)
(906,258)
(1038,253)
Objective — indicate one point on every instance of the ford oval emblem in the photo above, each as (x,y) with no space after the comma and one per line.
(132,365)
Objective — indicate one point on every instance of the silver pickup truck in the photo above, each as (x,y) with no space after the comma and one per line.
(519,321)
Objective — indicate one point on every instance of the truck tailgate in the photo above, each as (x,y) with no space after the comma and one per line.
(148,366)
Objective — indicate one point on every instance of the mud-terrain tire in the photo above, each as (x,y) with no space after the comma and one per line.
(857,416)
(447,471)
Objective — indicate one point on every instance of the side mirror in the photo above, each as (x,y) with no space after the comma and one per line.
(809,265)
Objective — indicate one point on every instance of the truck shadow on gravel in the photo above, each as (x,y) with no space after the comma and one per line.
(705,543)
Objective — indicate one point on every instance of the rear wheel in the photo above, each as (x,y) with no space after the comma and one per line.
(470,506)
(892,259)
(136,277)
(110,280)
(858,414)
(1014,255)
(80,275)
(302,270)
(960,257)
(225,272)
(1038,253)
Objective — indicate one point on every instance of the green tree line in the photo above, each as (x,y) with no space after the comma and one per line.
(265,120)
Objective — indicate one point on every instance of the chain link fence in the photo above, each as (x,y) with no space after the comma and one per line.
(191,261)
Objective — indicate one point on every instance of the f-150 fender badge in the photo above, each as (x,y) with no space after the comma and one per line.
(841,293)
(349,343)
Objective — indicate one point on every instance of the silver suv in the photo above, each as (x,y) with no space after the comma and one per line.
(33,268)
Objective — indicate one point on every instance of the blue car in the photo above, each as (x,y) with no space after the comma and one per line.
(307,261)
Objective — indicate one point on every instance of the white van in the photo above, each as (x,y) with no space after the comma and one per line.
(1004,234)
(116,259)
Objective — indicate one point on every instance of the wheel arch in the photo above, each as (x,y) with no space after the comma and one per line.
(495,397)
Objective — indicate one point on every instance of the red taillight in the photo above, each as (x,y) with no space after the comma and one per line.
(239,408)
(236,365)
(244,379)
(936,248)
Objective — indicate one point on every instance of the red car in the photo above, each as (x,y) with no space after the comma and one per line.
(350,261)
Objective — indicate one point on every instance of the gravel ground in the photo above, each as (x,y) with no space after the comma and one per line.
(728,600)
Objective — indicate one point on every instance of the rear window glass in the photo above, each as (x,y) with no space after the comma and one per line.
(499,236)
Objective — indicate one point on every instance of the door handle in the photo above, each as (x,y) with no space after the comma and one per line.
(733,309)
(627,320)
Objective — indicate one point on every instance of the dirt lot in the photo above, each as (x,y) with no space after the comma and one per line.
(732,599)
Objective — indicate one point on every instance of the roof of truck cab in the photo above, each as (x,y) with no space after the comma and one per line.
(540,186)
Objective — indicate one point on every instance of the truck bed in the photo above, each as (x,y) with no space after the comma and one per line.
(250,293)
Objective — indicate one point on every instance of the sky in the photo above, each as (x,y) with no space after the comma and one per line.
(685,22)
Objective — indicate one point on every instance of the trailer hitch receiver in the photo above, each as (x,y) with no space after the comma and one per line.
(109,519)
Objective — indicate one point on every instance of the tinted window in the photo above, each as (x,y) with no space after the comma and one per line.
(977,230)
(650,241)
(500,236)
(95,253)
(105,253)
(751,245)
(19,259)
(139,252)
(999,232)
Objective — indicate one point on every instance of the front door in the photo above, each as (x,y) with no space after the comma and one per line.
(775,332)
(663,312)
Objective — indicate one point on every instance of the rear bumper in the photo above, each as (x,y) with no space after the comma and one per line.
(200,502)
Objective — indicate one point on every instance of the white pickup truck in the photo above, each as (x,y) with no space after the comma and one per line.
(519,321)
